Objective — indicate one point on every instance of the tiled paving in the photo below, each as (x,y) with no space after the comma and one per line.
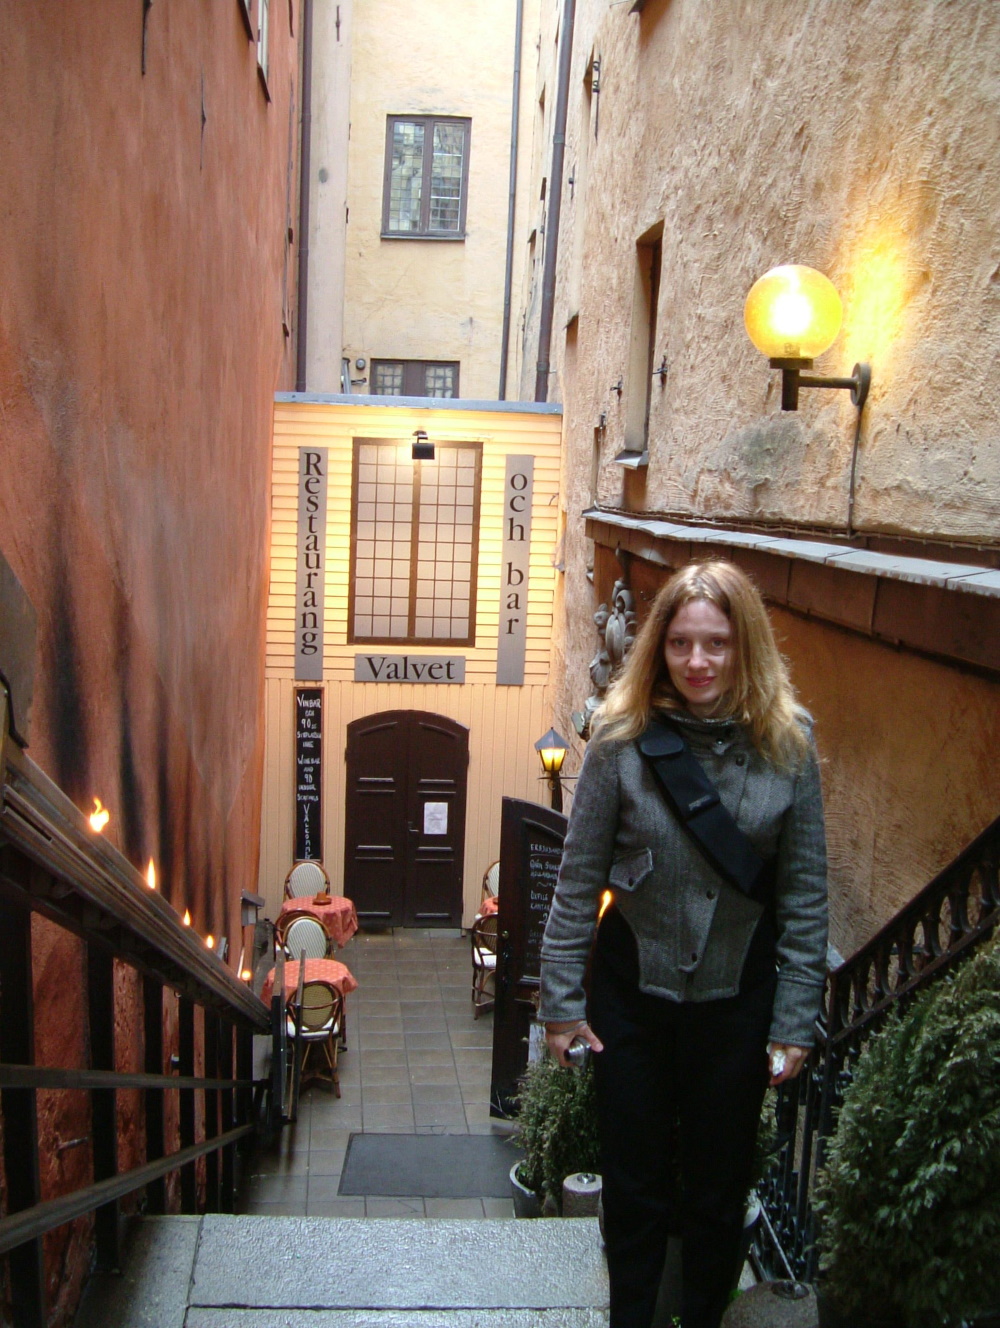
(417,1062)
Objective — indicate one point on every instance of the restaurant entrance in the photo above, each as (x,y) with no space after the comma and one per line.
(405,818)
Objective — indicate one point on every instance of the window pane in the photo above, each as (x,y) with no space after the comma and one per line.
(446,177)
(439,380)
(387,380)
(406,175)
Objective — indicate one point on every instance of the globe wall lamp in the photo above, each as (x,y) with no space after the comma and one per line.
(552,751)
(793,314)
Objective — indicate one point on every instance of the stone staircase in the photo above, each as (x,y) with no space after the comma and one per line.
(313,1272)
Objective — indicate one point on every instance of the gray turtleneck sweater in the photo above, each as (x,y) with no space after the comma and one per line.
(692,928)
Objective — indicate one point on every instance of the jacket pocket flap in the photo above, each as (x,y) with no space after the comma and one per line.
(629,872)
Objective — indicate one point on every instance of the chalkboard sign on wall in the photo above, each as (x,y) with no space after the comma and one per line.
(308,773)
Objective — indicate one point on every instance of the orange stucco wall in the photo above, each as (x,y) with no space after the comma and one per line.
(144,274)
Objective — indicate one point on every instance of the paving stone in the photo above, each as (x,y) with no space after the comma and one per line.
(764,1306)
(391,1264)
(152,1289)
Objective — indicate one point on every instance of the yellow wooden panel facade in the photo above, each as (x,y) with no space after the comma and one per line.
(503,722)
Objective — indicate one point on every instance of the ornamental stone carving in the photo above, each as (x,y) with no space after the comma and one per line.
(616,627)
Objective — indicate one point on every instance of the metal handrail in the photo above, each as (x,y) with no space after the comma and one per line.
(944,923)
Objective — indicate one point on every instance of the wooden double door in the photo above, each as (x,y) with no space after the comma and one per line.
(405,818)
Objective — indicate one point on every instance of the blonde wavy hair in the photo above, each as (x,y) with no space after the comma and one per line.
(760,694)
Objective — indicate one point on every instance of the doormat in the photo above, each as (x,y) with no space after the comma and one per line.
(434,1166)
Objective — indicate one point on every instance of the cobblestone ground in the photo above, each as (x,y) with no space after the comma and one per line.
(416,1062)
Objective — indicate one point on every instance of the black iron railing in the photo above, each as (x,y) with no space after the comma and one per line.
(51,863)
(935,930)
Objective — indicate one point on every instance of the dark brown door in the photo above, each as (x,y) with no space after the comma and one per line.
(405,818)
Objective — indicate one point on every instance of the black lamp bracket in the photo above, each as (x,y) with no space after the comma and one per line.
(792,378)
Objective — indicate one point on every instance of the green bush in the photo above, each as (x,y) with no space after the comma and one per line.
(556,1126)
(909,1201)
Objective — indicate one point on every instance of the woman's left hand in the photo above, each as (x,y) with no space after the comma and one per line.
(795,1058)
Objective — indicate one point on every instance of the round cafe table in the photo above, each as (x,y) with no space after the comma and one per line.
(337,914)
(317,970)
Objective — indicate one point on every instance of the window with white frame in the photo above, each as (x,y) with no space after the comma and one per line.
(263,29)
(426,177)
(414,543)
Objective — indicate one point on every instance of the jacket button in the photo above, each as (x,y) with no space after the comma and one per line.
(709,894)
(694,957)
(741,759)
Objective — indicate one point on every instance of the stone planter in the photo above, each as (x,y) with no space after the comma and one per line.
(526,1202)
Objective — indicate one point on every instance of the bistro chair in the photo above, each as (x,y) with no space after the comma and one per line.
(484,962)
(308,934)
(286,921)
(306,878)
(315,1024)
(491,881)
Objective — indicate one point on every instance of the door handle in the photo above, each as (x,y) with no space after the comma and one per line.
(414,830)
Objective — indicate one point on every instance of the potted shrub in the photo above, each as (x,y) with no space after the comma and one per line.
(557,1128)
(909,1200)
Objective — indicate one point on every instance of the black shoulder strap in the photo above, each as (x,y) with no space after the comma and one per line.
(695,800)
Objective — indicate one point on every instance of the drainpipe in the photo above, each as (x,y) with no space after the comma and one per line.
(555,205)
(305,178)
(512,197)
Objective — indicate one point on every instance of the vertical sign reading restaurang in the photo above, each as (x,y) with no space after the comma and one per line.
(308,773)
(310,564)
(513,631)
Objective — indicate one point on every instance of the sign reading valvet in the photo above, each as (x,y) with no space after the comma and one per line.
(409,668)
(513,630)
(308,773)
(310,564)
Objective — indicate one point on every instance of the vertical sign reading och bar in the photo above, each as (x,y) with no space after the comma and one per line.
(310,564)
(513,631)
(308,773)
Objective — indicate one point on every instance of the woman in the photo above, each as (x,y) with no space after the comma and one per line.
(698,973)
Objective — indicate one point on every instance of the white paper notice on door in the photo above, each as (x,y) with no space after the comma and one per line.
(435,818)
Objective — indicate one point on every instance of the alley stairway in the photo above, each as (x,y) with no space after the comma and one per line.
(310,1272)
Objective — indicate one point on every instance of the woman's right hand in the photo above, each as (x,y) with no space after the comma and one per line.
(560,1037)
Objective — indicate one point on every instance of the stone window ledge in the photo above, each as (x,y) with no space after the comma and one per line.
(948,610)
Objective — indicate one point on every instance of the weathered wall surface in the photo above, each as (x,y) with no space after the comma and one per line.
(860,138)
(143,272)
(331,131)
(430,299)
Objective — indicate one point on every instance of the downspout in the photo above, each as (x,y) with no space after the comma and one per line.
(555,205)
(305,176)
(515,116)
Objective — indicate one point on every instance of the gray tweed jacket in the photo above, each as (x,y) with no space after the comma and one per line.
(692,928)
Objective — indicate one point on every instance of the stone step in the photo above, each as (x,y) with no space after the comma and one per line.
(310,1272)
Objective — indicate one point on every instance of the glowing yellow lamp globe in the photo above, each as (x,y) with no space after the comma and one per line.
(793,313)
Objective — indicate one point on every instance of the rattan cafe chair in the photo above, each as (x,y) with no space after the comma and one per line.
(306,933)
(315,1026)
(306,878)
(484,962)
(491,881)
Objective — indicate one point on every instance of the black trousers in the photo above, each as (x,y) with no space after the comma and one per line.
(679,1090)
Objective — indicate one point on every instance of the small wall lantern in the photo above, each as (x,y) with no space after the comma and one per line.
(793,314)
(422,449)
(552,751)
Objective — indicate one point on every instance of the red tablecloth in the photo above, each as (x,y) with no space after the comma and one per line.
(489,905)
(326,970)
(337,914)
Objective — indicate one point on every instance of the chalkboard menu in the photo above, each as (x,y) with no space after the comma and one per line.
(308,773)
(531,843)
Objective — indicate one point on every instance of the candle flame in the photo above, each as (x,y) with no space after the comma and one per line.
(186,918)
(99,817)
(210,941)
(605,901)
(151,875)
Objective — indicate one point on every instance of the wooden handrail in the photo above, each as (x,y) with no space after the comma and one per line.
(90,888)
